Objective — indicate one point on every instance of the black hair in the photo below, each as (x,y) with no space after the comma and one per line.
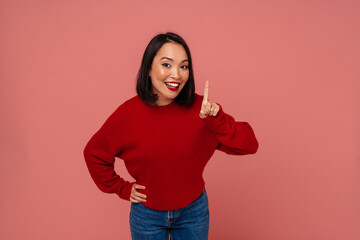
(144,87)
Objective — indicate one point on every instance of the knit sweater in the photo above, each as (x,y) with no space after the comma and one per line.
(164,148)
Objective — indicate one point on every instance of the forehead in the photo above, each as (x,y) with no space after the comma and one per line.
(173,50)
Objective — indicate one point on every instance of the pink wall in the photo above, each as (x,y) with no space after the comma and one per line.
(290,68)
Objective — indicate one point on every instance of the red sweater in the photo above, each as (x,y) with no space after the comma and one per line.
(165,148)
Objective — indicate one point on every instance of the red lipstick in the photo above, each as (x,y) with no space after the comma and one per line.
(173,86)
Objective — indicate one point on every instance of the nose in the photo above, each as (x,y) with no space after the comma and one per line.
(176,73)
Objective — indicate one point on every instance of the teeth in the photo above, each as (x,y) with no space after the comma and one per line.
(172,84)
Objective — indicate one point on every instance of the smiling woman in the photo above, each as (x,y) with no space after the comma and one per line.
(169,72)
(165,135)
(166,72)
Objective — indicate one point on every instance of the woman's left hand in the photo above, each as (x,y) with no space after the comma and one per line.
(208,108)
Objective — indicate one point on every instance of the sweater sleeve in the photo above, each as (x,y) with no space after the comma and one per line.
(235,138)
(100,158)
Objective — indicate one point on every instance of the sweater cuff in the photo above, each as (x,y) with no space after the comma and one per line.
(214,122)
(125,192)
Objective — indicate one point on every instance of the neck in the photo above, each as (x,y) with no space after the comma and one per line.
(163,102)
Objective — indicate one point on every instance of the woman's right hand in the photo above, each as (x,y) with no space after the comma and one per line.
(135,196)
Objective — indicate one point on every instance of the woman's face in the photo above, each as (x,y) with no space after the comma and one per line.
(169,72)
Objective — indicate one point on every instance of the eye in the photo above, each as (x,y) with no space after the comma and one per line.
(166,65)
(184,67)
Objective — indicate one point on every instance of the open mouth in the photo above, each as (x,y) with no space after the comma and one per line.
(173,86)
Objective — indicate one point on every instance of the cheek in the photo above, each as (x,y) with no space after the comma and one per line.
(161,74)
(185,76)
(157,74)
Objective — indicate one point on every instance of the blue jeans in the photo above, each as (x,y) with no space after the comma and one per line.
(187,223)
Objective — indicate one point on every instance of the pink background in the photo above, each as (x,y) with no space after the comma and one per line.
(289,68)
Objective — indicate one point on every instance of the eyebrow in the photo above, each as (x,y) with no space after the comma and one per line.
(170,59)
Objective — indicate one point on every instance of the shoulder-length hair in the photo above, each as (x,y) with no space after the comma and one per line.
(144,87)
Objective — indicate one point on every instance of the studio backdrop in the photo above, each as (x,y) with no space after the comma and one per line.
(289,68)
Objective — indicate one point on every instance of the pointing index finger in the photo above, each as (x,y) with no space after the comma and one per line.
(206,92)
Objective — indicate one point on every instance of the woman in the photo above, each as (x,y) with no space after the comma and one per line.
(165,135)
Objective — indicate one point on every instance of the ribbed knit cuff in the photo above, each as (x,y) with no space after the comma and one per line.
(214,122)
(125,192)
